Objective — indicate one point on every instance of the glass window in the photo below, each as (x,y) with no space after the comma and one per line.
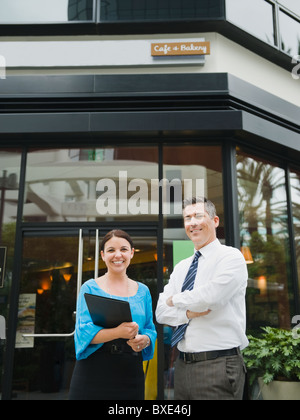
(265,241)
(295,191)
(137,10)
(92,184)
(255,17)
(199,170)
(289,34)
(10,162)
(187,164)
(45,11)
(292,5)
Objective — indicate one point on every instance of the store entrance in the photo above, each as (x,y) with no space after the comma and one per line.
(54,265)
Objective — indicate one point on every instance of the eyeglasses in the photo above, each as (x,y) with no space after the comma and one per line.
(197,216)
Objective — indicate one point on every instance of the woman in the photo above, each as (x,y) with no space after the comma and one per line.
(109,361)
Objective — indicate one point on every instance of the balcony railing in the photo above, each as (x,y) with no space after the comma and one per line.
(275,22)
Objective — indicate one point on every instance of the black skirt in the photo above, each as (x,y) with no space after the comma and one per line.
(110,373)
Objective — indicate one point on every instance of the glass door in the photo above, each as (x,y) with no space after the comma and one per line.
(54,265)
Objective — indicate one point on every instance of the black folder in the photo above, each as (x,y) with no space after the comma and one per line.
(107,312)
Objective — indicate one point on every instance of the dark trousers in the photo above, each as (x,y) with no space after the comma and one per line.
(219,379)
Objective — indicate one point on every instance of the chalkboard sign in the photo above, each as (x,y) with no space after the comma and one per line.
(2,264)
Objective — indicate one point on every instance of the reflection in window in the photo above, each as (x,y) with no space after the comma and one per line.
(130,10)
(203,167)
(255,17)
(290,34)
(9,189)
(265,241)
(10,162)
(295,191)
(91,184)
(80,10)
(45,11)
(292,5)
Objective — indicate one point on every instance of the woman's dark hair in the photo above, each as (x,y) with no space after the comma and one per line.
(118,234)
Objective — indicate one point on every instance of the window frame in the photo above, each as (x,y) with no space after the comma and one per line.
(283,10)
(52,23)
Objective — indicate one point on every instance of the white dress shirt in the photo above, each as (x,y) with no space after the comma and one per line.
(220,286)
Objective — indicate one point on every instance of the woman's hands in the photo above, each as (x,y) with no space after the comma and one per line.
(127,330)
(139,343)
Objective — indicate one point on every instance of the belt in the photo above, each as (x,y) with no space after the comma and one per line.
(117,347)
(208,355)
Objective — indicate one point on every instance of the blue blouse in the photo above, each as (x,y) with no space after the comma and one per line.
(85,330)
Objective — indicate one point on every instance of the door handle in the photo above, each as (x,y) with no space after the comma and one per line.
(97,255)
(48,335)
(79,284)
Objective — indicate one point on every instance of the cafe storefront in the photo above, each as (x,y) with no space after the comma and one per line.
(123,155)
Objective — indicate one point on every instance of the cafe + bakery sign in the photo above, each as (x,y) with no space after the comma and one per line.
(179,48)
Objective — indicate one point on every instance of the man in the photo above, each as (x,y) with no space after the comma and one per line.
(205,299)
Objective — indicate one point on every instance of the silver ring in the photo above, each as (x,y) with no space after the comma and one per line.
(138,347)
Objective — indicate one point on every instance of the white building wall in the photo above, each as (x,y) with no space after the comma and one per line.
(132,55)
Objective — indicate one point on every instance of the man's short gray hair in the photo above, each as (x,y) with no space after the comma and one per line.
(208,205)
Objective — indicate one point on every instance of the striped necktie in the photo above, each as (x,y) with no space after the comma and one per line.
(187,285)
